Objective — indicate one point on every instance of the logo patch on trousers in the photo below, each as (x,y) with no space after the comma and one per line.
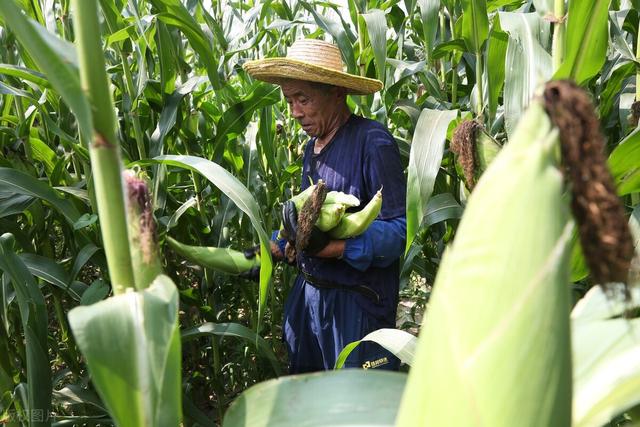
(375,363)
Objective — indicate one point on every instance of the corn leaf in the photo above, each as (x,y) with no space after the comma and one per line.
(496,57)
(55,58)
(624,163)
(500,305)
(440,207)
(402,344)
(425,157)
(169,114)
(18,182)
(322,399)
(175,14)
(429,10)
(25,74)
(233,330)
(586,40)
(33,314)
(475,24)
(543,6)
(339,33)
(527,65)
(634,225)
(131,343)
(377,31)
(12,204)
(49,271)
(606,351)
(237,192)
(236,118)
(611,89)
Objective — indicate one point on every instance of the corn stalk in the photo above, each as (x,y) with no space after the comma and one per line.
(104,146)
(558,33)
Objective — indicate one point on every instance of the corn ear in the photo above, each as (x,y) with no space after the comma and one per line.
(349,200)
(494,348)
(356,223)
(143,242)
(222,259)
(300,198)
(330,216)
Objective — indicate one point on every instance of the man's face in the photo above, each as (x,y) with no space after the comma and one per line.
(314,109)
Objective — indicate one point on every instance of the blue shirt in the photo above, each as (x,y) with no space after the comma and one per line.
(362,158)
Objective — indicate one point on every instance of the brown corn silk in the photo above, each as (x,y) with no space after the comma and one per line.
(463,144)
(139,201)
(602,224)
(309,214)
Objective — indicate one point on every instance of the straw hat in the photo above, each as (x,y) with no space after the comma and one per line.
(311,60)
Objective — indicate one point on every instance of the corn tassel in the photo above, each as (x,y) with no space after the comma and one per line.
(494,349)
(356,223)
(222,259)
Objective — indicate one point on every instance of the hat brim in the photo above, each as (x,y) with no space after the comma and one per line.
(277,70)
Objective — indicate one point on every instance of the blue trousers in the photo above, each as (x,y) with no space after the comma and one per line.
(320,322)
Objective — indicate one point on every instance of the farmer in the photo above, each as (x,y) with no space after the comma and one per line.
(345,288)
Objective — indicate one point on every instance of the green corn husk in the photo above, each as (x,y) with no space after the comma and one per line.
(486,151)
(495,346)
(222,259)
(300,198)
(330,215)
(356,223)
(348,200)
(334,206)
(145,254)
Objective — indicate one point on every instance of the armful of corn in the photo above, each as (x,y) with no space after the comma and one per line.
(333,217)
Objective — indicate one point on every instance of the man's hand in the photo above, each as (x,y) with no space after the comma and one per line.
(290,220)
(318,239)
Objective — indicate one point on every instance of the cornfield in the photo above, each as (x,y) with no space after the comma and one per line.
(131,139)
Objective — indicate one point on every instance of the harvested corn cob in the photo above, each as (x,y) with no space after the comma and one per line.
(223,259)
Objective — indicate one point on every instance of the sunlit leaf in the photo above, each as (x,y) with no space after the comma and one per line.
(33,314)
(237,192)
(377,30)
(233,330)
(586,40)
(527,62)
(402,344)
(132,346)
(305,400)
(475,23)
(427,148)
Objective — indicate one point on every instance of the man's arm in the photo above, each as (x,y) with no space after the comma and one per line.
(334,249)
(380,245)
